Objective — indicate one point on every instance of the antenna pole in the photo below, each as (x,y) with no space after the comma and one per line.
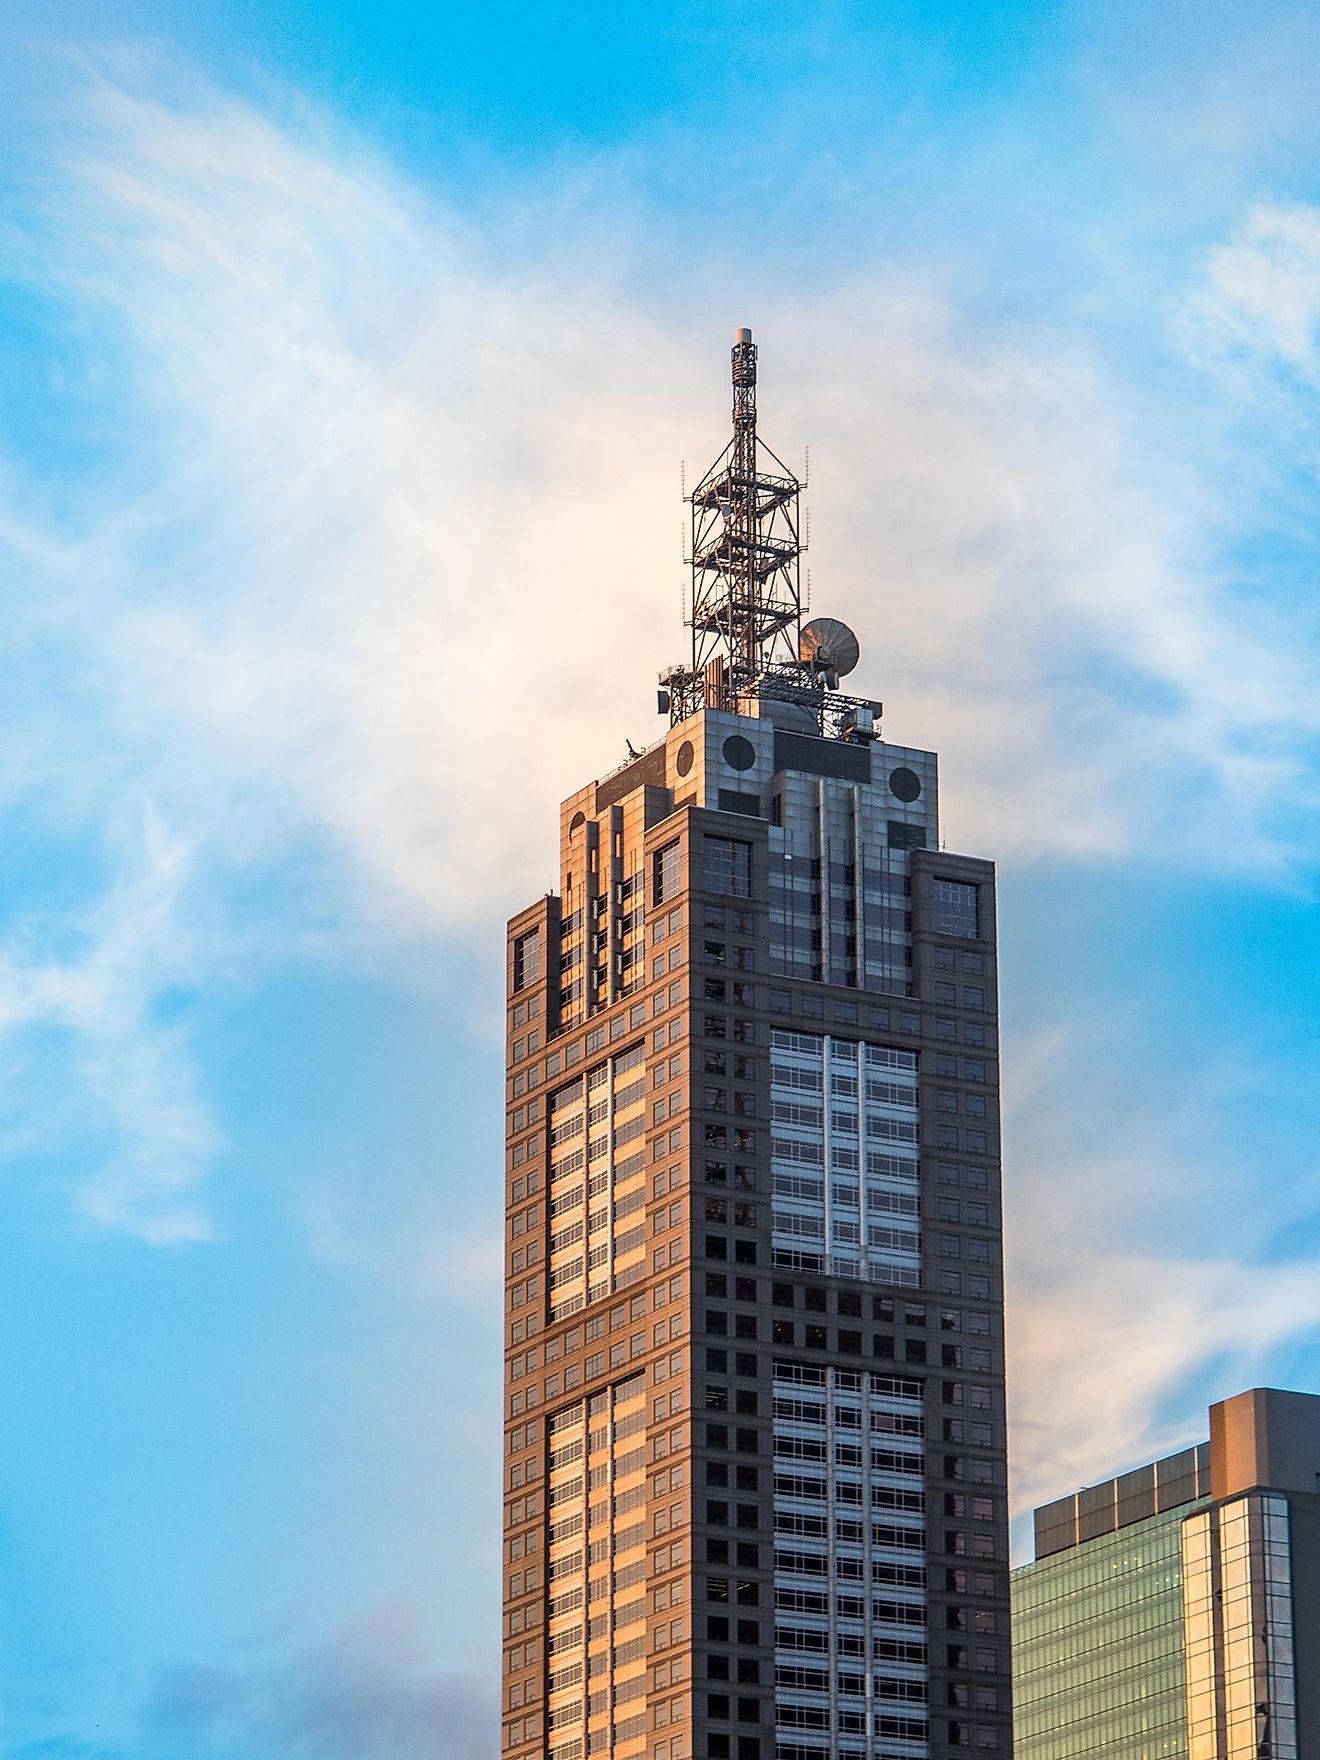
(742,520)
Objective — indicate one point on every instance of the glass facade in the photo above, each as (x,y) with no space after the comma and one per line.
(1098,1669)
(1241,1684)
(851,1662)
(844,1168)
(840,886)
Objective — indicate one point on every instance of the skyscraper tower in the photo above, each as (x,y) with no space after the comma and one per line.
(754,1413)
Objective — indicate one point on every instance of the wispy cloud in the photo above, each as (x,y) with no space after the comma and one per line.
(1146,1274)
(367,1690)
(392,541)
(389,543)
(87,988)
(1258,301)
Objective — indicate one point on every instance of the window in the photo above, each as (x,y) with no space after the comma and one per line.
(666,872)
(955,908)
(726,866)
(526,959)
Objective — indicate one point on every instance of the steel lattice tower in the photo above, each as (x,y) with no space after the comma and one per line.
(746,547)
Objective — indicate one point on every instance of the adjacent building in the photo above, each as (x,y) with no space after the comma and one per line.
(1173,1613)
(754,1457)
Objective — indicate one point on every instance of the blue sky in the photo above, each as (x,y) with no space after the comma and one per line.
(347,360)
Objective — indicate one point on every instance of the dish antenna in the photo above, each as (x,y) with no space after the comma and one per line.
(828,646)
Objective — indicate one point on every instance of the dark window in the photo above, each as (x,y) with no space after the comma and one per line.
(955,908)
(726,866)
(666,873)
(526,959)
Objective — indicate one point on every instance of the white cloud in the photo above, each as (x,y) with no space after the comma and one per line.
(1143,1268)
(387,553)
(91,982)
(1259,298)
(394,554)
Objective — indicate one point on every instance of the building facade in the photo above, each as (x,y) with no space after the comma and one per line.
(754,1451)
(1174,1613)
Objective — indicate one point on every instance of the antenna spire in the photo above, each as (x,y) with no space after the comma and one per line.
(751,653)
(746,585)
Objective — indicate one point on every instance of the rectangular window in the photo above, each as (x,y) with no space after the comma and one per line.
(726,866)
(666,874)
(955,908)
(526,959)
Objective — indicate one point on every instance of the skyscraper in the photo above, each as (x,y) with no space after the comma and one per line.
(754,1444)
(1173,1613)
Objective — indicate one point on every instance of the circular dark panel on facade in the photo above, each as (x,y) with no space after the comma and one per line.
(739,753)
(576,823)
(905,783)
(683,762)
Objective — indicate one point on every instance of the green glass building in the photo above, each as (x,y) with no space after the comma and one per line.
(1173,1613)
(1098,1648)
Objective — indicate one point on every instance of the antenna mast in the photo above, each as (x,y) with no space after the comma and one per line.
(746,578)
(750,652)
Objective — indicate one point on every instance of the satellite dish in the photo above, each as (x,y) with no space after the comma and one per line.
(829,646)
